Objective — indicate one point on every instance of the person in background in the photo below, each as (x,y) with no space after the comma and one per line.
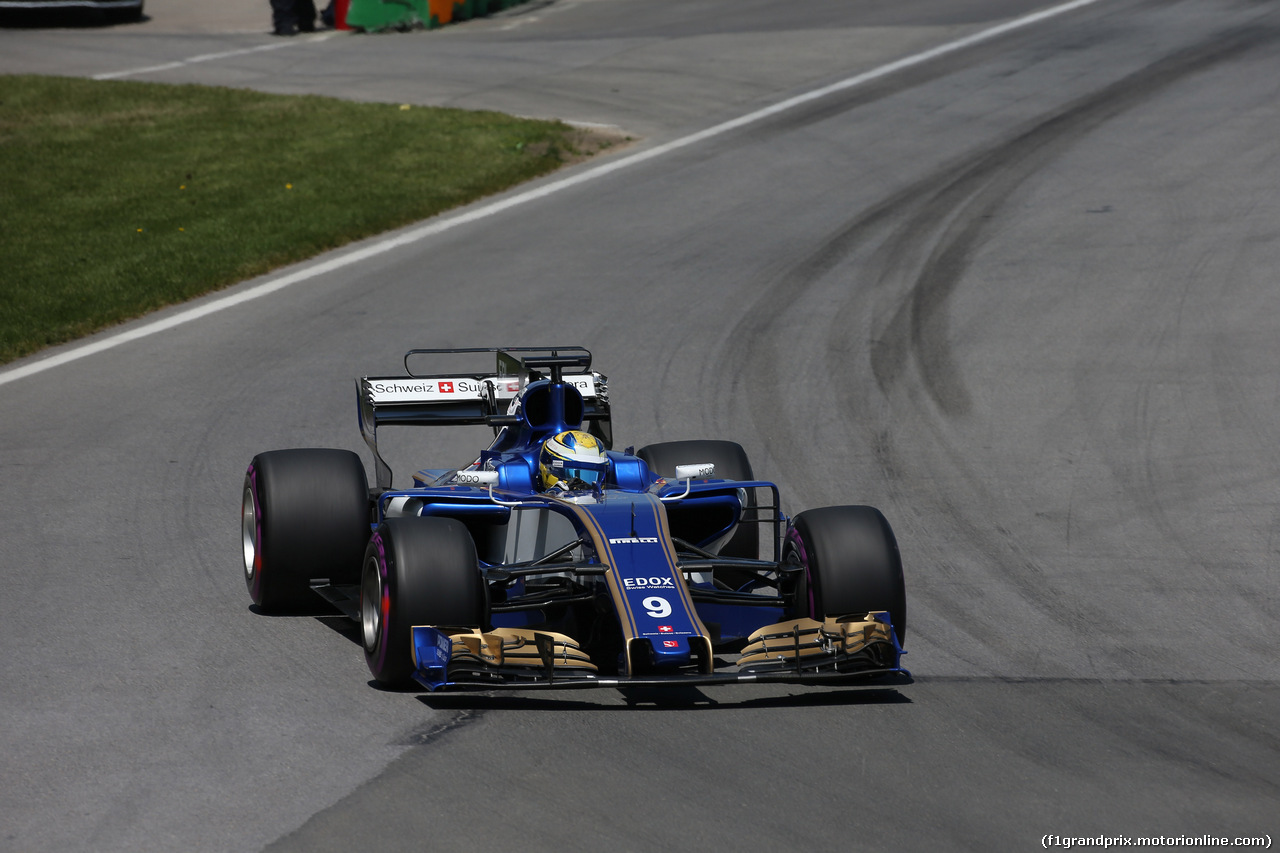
(290,17)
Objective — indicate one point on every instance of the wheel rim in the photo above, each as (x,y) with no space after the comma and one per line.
(249,533)
(371,605)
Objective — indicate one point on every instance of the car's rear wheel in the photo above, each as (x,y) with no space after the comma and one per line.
(851,564)
(304,514)
(731,464)
(417,571)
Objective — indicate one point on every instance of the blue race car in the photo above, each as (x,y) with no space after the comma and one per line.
(552,560)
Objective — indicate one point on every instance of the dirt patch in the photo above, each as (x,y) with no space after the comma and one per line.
(582,143)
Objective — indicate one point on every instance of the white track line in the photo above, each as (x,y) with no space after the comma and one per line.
(210,57)
(440,225)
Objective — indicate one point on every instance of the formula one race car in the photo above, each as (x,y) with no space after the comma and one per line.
(552,560)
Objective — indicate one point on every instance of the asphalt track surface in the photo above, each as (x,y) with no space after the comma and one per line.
(1021,297)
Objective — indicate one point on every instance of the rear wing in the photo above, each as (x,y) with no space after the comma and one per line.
(460,398)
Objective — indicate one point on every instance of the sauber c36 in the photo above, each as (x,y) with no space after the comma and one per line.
(477,578)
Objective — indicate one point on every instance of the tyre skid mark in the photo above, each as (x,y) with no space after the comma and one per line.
(945,218)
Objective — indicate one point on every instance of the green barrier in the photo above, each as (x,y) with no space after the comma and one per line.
(385,14)
(375,15)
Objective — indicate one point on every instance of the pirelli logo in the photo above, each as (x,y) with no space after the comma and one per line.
(650,583)
(635,540)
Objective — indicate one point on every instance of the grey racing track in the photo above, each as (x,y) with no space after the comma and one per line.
(1023,298)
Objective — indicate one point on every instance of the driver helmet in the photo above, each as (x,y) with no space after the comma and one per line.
(571,460)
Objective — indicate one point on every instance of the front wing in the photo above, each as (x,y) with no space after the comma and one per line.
(836,651)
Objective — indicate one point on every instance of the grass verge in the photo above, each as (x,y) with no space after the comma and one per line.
(117,198)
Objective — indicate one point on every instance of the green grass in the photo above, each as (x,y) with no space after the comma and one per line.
(117,198)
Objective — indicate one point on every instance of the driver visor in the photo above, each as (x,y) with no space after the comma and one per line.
(586,475)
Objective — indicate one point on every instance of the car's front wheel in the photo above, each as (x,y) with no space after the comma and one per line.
(850,563)
(417,571)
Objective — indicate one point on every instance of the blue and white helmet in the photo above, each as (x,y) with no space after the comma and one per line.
(571,460)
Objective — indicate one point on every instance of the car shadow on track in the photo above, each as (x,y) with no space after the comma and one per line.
(348,628)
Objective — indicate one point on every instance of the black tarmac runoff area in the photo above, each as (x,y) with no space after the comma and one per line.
(1011,279)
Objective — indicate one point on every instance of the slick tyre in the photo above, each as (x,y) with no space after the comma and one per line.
(417,571)
(731,464)
(304,514)
(851,562)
